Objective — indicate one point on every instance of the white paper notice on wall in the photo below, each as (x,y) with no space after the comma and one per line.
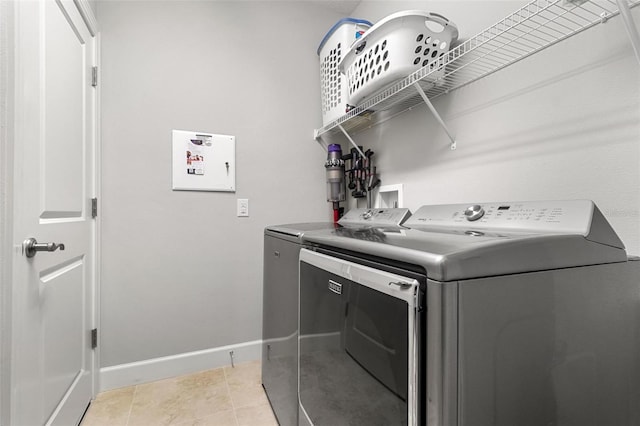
(203,161)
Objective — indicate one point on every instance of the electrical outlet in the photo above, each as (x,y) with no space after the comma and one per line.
(243,207)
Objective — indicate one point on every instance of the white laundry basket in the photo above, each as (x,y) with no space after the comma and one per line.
(333,88)
(393,48)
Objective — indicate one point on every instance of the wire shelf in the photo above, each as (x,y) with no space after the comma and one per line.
(532,28)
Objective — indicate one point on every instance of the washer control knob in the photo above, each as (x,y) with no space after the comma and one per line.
(474,212)
(367,215)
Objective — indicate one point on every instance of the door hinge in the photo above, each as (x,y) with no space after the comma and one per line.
(94,76)
(94,338)
(94,207)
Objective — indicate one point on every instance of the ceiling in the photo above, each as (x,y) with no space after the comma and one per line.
(343,7)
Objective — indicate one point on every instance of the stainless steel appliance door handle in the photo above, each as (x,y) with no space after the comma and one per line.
(30,247)
(401,284)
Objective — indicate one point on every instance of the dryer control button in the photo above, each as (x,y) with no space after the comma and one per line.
(474,212)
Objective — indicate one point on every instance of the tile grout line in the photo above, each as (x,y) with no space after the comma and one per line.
(133,397)
(226,382)
(127,412)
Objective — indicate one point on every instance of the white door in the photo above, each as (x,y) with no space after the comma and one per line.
(53,292)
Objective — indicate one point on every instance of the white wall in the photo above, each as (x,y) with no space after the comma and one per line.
(181,272)
(563,124)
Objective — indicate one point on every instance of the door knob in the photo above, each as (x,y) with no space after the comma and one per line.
(30,247)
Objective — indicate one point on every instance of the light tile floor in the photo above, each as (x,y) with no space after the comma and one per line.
(222,397)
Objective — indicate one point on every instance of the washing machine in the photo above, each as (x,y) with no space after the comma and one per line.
(480,314)
(282,245)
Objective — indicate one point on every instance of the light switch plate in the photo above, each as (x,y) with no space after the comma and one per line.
(243,207)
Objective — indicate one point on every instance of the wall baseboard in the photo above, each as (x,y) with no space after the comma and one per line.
(149,370)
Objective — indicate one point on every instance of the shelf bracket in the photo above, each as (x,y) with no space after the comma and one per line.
(627,18)
(350,140)
(436,115)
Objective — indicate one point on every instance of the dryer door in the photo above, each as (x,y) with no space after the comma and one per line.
(357,343)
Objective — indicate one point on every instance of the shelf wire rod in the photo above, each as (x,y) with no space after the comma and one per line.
(351,140)
(478,61)
(548,33)
(520,31)
(473,62)
(590,24)
(553,19)
(576,19)
(514,50)
(569,12)
(517,46)
(497,45)
(506,41)
(514,40)
(525,45)
(517,18)
(484,65)
(608,7)
(436,115)
(510,47)
(481,63)
(579,16)
(542,28)
(597,10)
(493,60)
(631,26)
(527,53)
(468,66)
(545,26)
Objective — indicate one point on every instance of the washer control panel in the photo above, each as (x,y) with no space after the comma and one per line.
(573,216)
(474,212)
(375,217)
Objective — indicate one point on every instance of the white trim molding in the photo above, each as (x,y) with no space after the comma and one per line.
(150,370)
(7,126)
(88,16)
